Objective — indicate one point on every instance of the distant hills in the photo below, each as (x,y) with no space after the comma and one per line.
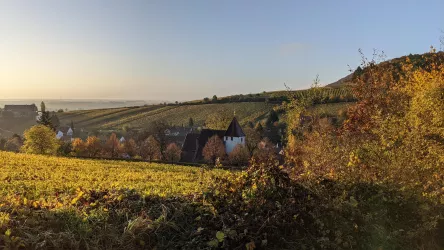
(73,104)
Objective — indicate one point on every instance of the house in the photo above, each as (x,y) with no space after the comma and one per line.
(233,136)
(22,110)
(195,142)
(122,140)
(64,133)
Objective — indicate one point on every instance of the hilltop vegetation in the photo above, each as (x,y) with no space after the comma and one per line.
(416,61)
(328,95)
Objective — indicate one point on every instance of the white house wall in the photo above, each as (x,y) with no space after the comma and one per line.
(232,142)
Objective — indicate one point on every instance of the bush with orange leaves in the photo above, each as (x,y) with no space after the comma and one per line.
(214,149)
(239,156)
(172,153)
(393,140)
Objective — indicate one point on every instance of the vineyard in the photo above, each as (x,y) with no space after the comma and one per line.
(326,95)
(137,117)
(330,95)
(35,177)
(62,203)
(247,107)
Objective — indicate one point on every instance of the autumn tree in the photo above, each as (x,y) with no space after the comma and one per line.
(93,146)
(65,148)
(392,136)
(150,149)
(130,147)
(172,153)
(40,139)
(113,147)
(157,129)
(214,149)
(13,144)
(78,147)
(265,152)
(239,156)
(252,138)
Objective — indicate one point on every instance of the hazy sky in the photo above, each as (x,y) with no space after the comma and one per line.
(187,49)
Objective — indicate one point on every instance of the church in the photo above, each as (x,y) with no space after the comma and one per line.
(195,142)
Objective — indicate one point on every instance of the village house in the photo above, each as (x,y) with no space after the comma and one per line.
(195,142)
(65,133)
(22,110)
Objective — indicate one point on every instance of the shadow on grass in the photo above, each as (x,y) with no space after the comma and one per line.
(328,216)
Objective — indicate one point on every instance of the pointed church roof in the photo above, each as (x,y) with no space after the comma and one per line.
(235,129)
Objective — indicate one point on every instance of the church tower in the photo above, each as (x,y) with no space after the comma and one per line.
(233,136)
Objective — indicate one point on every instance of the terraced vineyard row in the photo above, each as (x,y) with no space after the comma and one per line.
(113,117)
(137,117)
(136,120)
(85,115)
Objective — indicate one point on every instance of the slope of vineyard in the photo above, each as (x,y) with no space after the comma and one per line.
(65,203)
(139,117)
(33,177)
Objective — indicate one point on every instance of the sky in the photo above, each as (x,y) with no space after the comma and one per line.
(184,50)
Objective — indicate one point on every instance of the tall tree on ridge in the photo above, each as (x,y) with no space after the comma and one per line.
(44,118)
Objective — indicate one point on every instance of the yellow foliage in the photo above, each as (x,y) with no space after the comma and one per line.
(65,181)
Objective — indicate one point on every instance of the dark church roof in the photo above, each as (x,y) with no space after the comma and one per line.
(190,143)
(189,148)
(234,129)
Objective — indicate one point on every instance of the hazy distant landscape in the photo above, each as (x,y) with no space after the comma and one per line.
(66,104)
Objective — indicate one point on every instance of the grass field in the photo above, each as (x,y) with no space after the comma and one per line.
(139,117)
